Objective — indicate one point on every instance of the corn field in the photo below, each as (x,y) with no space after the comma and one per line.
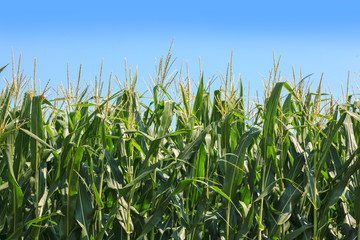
(208,165)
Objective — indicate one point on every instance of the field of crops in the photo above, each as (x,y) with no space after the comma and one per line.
(208,165)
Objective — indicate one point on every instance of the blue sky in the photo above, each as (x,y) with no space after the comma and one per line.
(316,36)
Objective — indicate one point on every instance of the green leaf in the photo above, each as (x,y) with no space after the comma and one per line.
(294,234)
(182,186)
(233,176)
(196,111)
(159,209)
(85,209)
(1,69)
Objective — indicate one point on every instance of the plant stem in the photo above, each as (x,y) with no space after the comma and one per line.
(100,192)
(315,212)
(228,220)
(128,230)
(262,201)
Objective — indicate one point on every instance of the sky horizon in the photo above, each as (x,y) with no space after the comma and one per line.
(318,38)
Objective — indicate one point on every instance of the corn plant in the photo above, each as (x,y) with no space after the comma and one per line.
(212,165)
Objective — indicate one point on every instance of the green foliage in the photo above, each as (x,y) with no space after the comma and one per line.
(121,167)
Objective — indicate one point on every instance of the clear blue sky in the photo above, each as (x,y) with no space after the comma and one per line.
(317,36)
